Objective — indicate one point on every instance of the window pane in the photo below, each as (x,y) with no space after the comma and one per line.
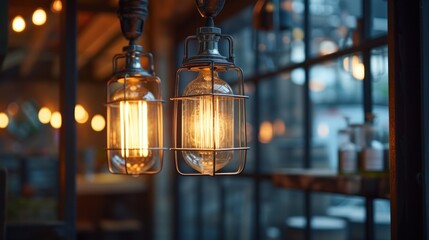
(239,27)
(344,216)
(334,25)
(238,216)
(379,18)
(281,121)
(382,219)
(278,206)
(280,42)
(336,94)
(187,209)
(380,95)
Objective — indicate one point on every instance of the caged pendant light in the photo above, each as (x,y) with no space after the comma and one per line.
(209,118)
(134,104)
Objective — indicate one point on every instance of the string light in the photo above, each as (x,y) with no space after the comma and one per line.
(44,115)
(39,17)
(18,24)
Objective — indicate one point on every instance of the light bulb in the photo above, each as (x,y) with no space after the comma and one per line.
(80,114)
(207,123)
(98,123)
(358,68)
(39,17)
(56,6)
(4,120)
(56,120)
(44,115)
(130,130)
(18,24)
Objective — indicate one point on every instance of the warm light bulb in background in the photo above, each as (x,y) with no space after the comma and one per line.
(18,24)
(358,69)
(4,120)
(207,123)
(39,17)
(56,120)
(56,6)
(44,115)
(80,114)
(98,123)
(265,132)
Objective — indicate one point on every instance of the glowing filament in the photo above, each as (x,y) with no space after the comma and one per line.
(134,129)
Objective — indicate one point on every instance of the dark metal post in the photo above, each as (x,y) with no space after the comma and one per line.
(4,27)
(67,164)
(3,194)
(424,28)
(407,110)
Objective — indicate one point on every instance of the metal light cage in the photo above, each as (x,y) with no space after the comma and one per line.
(215,63)
(134,117)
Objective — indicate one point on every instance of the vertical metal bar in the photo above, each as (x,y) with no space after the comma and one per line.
(406,119)
(4,28)
(3,194)
(307,118)
(367,102)
(67,166)
(366,56)
(424,11)
(257,149)
(369,215)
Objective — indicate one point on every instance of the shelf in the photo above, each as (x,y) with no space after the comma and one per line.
(105,183)
(330,182)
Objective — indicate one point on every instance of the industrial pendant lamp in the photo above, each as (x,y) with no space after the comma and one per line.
(209,118)
(134,104)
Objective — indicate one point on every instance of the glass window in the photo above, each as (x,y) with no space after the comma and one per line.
(281,121)
(382,219)
(238,214)
(280,34)
(379,18)
(336,95)
(335,24)
(278,207)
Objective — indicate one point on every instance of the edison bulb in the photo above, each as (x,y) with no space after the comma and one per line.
(130,133)
(207,123)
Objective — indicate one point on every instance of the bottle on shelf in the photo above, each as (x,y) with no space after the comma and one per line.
(347,153)
(371,156)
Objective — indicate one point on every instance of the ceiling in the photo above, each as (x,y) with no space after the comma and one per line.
(34,53)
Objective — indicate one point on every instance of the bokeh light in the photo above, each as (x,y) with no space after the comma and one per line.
(44,115)
(18,24)
(39,17)
(98,123)
(4,120)
(80,114)
(56,120)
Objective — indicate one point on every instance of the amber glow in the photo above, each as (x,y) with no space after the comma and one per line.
(4,120)
(279,127)
(39,17)
(134,133)
(80,114)
(18,24)
(98,123)
(56,6)
(44,115)
(358,69)
(207,124)
(56,120)
(265,132)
